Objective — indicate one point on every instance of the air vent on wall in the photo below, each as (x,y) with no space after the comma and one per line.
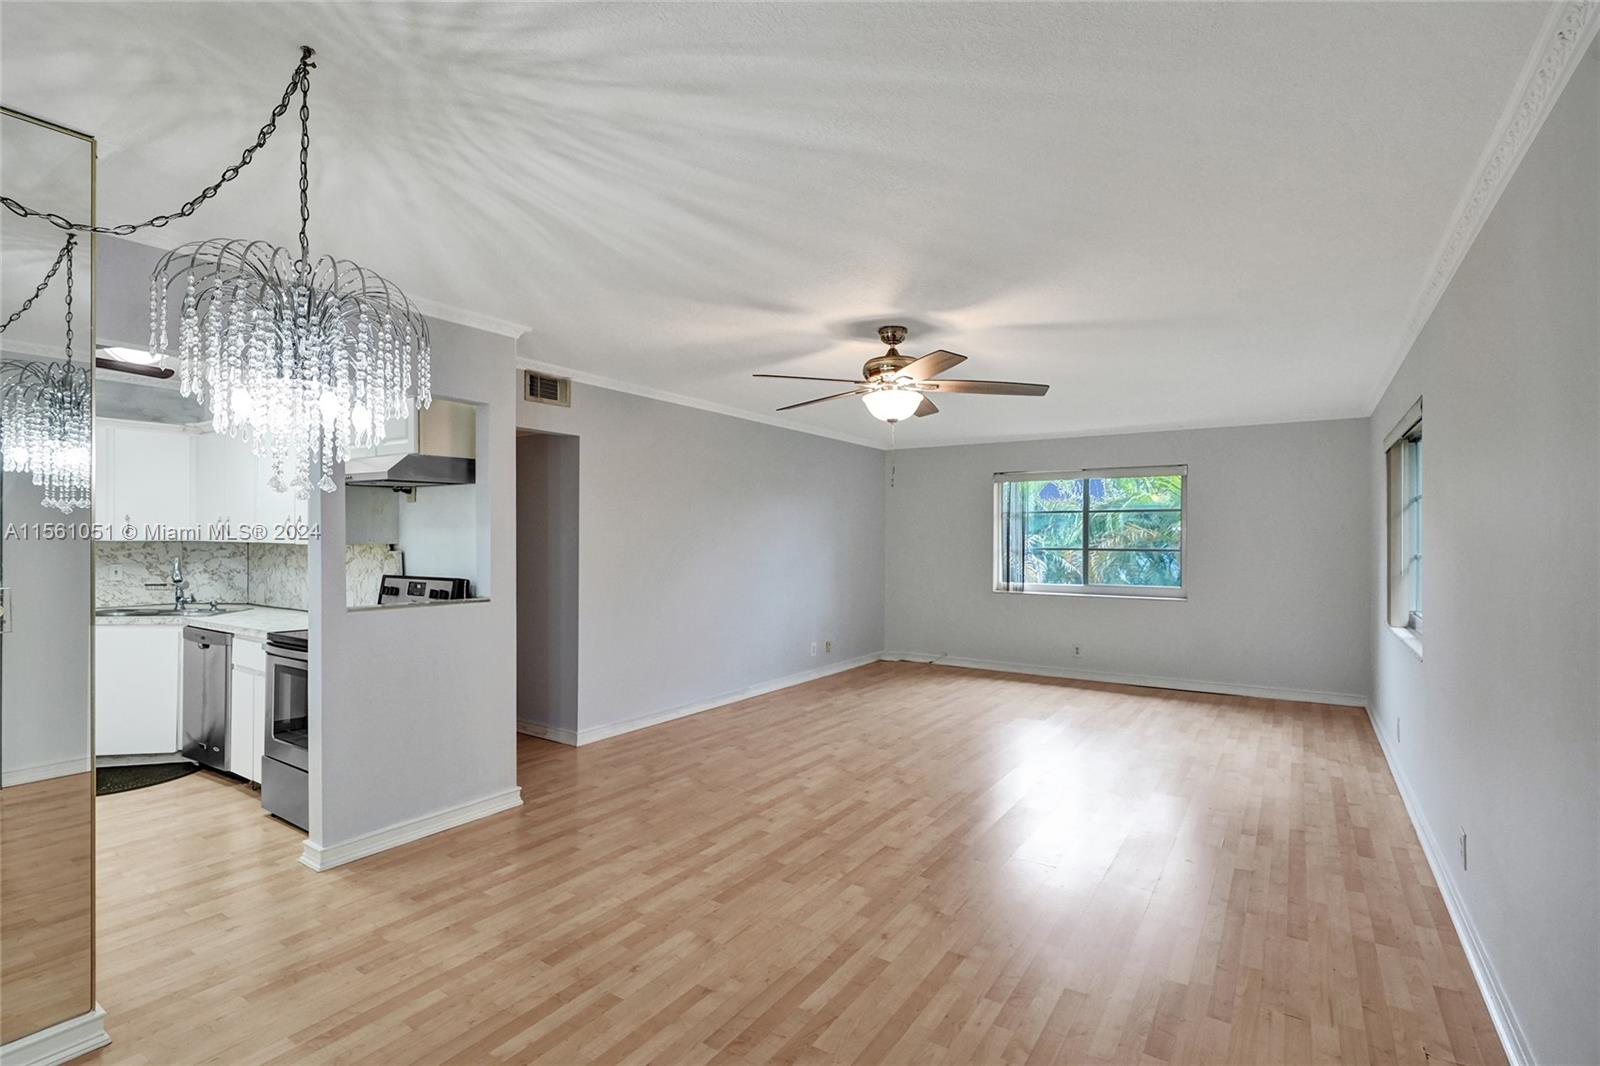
(542,388)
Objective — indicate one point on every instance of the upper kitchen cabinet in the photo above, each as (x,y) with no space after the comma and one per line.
(399,438)
(145,480)
(224,480)
(159,482)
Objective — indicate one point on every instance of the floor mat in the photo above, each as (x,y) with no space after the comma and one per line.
(111,779)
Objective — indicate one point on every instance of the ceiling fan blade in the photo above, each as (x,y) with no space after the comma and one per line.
(989,388)
(936,362)
(820,399)
(798,377)
(925,408)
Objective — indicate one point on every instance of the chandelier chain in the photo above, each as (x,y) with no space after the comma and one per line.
(300,82)
(70,240)
(305,172)
(63,256)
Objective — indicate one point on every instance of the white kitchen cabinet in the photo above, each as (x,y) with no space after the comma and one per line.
(148,473)
(247,708)
(399,438)
(224,481)
(279,512)
(137,677)
(172,478)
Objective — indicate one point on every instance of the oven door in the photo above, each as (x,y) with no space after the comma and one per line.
(288,738)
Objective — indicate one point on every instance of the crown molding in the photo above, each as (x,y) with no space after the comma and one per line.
(460,316)
(583,377)
(1561,46)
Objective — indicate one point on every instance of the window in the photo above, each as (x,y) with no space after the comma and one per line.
(1105,532)
(1404,462)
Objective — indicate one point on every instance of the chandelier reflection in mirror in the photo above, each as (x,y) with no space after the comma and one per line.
(47,410)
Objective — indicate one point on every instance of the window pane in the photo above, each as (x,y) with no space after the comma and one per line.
(1055,529)
(1135,568)
(1136,529)
(1161,492)
(1052,495)
(1055,568)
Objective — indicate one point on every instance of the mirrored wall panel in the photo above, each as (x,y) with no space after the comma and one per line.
(46,406)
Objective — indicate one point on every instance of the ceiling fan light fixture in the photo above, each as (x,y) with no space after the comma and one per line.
(892,404)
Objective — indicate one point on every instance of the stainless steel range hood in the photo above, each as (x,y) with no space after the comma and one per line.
(438,447)
(409,471)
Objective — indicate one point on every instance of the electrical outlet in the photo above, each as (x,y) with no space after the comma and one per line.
(1463,847)
(813,647)
(1397,730)
(827,647)
(1077,650)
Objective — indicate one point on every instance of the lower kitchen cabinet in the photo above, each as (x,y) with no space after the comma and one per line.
(246,723)
(137,676)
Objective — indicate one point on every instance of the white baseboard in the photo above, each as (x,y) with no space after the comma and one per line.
(545,732)
(60,1043)
(26,775)
(1343,699)
(589,736)
(1512,1038)
(320,857)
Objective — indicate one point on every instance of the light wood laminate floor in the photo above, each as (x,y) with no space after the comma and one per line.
(902,863)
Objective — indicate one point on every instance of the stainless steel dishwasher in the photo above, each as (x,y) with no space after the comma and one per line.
(207,673)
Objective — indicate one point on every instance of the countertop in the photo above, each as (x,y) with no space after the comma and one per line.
(249,622)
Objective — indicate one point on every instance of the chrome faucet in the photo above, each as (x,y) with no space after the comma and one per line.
(178,597)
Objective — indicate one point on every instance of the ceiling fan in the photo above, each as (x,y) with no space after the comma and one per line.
(895,386)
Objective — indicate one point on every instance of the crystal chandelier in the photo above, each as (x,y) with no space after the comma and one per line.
(304,359)
(47,411)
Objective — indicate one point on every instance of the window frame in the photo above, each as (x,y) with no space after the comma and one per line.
(1404,492)
(1176,592)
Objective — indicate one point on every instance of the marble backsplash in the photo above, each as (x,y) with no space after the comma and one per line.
(130,572)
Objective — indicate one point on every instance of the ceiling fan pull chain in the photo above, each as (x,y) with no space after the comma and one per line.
(301,78)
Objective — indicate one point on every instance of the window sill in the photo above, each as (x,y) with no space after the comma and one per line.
(1164,596)
(1410,639)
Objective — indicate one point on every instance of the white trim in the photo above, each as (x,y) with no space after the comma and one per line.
(1409,638)
(1343,699)
(908,441)
(1407,423)
(325,857)
(583,377)
(545,732)
(460,316)
(1561,46)
(25,775)
(60,1043)
(1506,1026)
(589,736)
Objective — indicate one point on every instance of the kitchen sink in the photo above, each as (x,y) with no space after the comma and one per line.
(165,611)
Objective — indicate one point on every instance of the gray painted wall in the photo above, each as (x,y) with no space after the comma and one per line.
(1273,549)
(414,708)
(1499,723)
(547,584)
(712,552)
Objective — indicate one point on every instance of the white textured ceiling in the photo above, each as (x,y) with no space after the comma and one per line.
(1189,214)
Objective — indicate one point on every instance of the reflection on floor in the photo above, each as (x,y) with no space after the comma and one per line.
(900,863)
(46,868)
